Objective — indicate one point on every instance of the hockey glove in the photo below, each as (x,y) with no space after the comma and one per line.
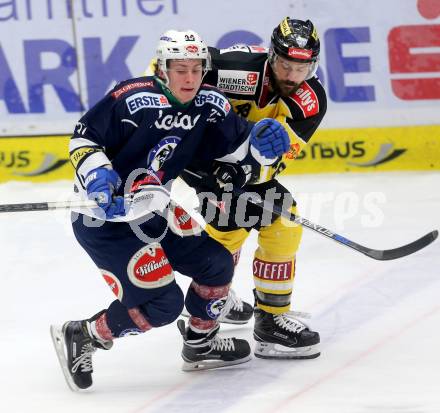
(269,140)
(229,173)
(101,184)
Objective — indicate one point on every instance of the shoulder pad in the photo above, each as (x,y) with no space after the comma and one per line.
(132,84)
(212,96)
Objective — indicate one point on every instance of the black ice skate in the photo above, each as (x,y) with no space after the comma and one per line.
(208,351)
(75,346)
(283,337)
(240,312)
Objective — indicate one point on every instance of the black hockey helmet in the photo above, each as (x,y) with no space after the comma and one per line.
(295,40)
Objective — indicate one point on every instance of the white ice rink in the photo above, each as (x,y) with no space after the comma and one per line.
(379,321)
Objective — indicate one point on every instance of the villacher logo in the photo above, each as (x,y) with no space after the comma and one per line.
(150,268)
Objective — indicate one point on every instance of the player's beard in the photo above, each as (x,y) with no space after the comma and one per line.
(285,87)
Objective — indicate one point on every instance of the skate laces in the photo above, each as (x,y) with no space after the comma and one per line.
(222,344)
(235,301)
(85,359)
(289,323)
(232,301)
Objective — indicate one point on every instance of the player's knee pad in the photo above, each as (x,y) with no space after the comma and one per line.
(159,311)
(123,321)
(281,238)
(165,308)
(206,302)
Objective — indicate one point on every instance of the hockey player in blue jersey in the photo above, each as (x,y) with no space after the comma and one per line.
(126,151)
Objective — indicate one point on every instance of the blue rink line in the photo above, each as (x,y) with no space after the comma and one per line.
(221,389)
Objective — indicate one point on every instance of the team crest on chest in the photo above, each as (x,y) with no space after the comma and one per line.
(162,151)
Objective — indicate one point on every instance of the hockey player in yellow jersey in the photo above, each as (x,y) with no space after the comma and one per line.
(280,83)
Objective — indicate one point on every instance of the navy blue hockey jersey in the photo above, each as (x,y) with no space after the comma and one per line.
(139,125)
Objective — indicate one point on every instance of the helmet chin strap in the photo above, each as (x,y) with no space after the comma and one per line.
(163,73)
(313,69)
(165,80)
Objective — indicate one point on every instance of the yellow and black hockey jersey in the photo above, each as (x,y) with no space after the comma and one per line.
(244,75)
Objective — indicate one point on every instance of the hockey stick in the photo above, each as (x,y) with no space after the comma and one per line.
(46,206)
(382,255)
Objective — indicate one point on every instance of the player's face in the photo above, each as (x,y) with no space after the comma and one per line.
(185,78)
(289,75)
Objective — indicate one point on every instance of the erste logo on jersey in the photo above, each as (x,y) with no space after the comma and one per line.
(162,151)
(238,81)
(143,100)
(214,98)
(131,86)
(307,100)
(150,268)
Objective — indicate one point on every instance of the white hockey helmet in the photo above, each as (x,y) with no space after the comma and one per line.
(185,44)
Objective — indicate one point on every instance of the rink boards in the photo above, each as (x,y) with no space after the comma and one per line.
(45,158)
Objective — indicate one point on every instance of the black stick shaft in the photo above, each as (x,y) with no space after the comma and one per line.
(381,255)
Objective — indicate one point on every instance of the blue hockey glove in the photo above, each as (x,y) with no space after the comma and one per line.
(101,184)
(270,139)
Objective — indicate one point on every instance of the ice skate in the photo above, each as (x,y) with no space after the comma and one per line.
(240,312)
(208,351)
(75,347)
(283,337)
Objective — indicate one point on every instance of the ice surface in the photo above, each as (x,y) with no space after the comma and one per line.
(379,321)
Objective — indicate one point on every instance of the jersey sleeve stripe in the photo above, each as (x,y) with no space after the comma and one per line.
(76,143)
(93,161)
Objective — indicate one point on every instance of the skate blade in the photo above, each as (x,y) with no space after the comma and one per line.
(211,364)
(229,321)
(59,344)
(277,351)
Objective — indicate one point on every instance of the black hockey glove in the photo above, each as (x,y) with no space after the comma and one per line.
(229,173)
